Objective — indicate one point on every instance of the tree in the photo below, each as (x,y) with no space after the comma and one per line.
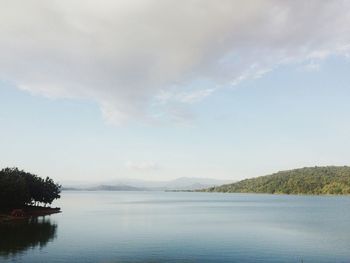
(19,188)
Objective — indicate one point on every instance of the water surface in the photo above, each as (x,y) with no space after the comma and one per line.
(183,227)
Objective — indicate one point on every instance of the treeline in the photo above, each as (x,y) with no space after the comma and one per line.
(19,188)
(309,180)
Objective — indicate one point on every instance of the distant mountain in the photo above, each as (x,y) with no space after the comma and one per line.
(191,183)
(183,183)
(308,180)
(104,188)
(114,188)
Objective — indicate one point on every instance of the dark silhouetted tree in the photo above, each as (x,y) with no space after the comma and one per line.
(19,188)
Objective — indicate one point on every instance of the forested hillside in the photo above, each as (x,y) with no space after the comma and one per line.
(309,180)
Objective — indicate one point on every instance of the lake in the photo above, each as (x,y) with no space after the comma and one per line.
(183,227)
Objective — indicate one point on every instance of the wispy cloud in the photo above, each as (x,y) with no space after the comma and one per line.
(190,97)
(123,54)
(312,66)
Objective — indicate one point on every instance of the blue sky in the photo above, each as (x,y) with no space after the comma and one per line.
(288,118)
(103,90)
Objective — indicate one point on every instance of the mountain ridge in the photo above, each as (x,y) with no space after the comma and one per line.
(181,183)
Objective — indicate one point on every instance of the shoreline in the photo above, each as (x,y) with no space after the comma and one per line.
(28,212)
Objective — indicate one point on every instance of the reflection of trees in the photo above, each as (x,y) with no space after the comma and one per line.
(16,237)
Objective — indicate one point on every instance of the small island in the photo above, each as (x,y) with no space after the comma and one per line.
(328,180)
(24,195)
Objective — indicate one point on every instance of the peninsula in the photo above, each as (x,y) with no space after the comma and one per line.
(24,195)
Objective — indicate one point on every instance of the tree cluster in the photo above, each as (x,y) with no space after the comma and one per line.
(19,188)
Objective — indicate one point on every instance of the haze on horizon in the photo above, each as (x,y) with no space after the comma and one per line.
(155,90)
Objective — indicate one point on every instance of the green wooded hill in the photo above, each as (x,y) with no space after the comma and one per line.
(308,180)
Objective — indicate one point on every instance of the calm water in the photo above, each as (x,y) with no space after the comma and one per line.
(183,227)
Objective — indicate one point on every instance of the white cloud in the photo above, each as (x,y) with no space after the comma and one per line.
(124,54)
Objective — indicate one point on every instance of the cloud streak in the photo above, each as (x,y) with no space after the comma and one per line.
(127,54)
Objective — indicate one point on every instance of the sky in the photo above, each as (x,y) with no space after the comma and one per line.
(155,90)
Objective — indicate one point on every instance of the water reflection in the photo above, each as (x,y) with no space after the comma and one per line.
(17,237)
